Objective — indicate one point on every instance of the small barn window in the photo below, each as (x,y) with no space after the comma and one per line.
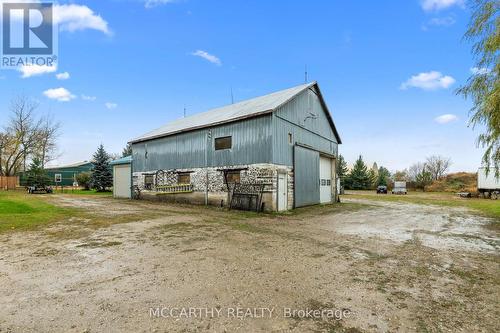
(58,178)
(290,138)
(223,143)
(233,177)
(184,178)
(148,182)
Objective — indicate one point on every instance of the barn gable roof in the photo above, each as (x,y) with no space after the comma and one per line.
(245,109)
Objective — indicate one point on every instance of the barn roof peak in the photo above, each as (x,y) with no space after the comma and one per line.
(245,109)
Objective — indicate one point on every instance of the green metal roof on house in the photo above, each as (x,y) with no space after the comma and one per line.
(123,160)
(68,166)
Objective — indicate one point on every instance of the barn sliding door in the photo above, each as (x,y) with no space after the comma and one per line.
(306,176)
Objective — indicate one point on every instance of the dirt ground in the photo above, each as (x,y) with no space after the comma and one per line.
(380,267)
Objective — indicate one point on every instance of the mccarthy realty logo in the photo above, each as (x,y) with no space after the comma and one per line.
(29,34)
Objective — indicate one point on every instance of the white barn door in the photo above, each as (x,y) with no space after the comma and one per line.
(325,179)
(282,192)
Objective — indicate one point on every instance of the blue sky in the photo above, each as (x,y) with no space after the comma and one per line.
(388,70)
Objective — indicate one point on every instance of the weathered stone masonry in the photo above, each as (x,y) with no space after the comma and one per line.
(217,190)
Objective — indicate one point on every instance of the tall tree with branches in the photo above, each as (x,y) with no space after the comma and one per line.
(25,137)
(483,87)
(48,133)
(437,166)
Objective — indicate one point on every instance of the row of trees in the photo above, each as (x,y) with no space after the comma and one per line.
(361,177)
(420,174)
(26,137)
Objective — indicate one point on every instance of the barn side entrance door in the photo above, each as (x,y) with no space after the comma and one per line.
(282,192)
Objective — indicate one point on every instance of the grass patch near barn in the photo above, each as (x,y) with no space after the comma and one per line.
(486,207)
(83,192)
(19,210)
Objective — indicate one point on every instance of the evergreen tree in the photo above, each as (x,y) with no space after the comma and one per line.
(372,178)
(127,151)
(359,178)
(342,169)
(36,175)
(383,176)
(102,177)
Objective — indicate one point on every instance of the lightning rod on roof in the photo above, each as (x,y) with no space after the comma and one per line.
(232,97)
(305,74)
(184,110)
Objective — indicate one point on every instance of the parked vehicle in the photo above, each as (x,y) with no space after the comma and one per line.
(382,189)
(399,188)
(487,184)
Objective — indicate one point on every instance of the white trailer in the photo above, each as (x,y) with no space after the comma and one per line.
(487,184)
(399,188)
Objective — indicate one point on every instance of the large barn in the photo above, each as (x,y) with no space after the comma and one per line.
(274,152)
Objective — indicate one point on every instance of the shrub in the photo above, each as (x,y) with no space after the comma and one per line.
(83,179)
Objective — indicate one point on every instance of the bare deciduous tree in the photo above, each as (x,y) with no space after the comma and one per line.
(437,166)
(25,136)
(414,170)
(47,141)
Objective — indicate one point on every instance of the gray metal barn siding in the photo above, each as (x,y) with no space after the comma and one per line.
(251,143)
(289,118)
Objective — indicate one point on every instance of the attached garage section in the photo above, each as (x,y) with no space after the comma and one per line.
(313,177)
(122,177)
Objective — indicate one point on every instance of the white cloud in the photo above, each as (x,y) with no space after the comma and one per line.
(155,3)
(59,94)
(79,17)
(74,17)
(442,21)
(88,98)
(445,118)
(33,70)
(62,76)
(428,81)
(479,71)
(110,106)
(435,5)
(439,22)
(207,56)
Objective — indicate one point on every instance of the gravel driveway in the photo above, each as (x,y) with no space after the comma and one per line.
(362,265)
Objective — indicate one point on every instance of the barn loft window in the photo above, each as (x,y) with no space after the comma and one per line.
(184,178)
(233,177)
(223,143)
(290,138)
(58,178)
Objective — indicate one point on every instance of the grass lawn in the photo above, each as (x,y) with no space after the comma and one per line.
(19,210)
(487,207)
(82,192)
